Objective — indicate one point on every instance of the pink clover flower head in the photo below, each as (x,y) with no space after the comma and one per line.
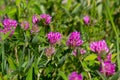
(9,23)
(86,20)
(108,68)
(35,19)
(74,39)
(9,26)
(75,76)
(46,17)
(54,37)
(25,25)
(99,46)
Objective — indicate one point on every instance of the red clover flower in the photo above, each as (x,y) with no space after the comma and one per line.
(9,26)
(74,39)
(107,68)
(46,17)
(86,20)
(8,23)
(54,37)
(75,76)
(99,46)
(35,19)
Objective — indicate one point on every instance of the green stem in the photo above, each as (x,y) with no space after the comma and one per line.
(3,56)
(115,30)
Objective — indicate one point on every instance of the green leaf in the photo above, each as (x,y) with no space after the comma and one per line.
(76,9)
(29,74)
(42,8)
(114,55)
(68,5)
(84,65)
(116,76)
(66,11)
(62,74)
(18,2)
(29,64)
(62,60)
(11,63)
(99,8)
(91,57)
(35,39)
(12,12)
(4,36)
(102,76)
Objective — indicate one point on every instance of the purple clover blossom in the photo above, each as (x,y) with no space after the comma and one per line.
(9,26)
(46,17)
(86,20)
(107,68)
(74,39)
(35,19)
(54,37)
(9,23)
(99,46)
(75,76)
(25,25)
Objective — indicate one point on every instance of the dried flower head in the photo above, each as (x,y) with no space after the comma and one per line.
(50,51)
(35,29)
(25,25)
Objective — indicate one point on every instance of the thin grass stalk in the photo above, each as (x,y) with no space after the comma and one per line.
(115,30)
(3,57)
